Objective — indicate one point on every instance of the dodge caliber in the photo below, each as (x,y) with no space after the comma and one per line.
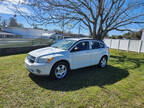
(57,60)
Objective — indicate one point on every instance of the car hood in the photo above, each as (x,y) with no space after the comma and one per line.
(45,51)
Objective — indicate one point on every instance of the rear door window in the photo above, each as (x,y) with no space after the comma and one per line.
(95,45)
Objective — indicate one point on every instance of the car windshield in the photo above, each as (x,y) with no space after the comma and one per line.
(64,44)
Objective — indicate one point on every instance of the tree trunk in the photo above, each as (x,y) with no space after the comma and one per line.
(99,36)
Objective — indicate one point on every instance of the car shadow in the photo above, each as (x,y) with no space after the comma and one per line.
(81,78)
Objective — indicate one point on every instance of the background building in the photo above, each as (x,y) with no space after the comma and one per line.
(25,32)
(8,35)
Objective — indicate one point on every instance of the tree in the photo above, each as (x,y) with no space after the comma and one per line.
(134,35)
(13,22)
(99,16)
(3,22)
(58,31)
(119,37)
(35,26)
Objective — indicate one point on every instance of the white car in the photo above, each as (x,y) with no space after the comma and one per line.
(66,55)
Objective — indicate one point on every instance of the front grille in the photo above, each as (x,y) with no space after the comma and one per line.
(31,58)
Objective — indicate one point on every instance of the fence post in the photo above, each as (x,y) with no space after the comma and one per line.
(110,43)
(118,44)
(140,45)
(128,45)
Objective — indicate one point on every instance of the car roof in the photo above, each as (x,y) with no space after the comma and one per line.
(79,39)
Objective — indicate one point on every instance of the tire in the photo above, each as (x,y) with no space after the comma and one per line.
(103,62)
(60,70)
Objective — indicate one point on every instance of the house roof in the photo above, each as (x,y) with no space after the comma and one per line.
(5,33)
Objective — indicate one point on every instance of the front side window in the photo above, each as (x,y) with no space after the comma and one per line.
(81,46)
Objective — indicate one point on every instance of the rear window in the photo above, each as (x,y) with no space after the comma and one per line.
(101,45)
(97,45)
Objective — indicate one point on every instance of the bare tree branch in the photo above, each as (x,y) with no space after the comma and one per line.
(99,16)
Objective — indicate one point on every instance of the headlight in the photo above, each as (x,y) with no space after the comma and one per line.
(45,60)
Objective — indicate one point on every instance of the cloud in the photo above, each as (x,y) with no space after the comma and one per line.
(9,7)
(5,10)
(16,1)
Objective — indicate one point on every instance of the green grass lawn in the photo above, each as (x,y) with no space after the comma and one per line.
(120,84)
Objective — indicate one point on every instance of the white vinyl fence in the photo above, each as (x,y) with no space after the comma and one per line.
(120,44)
(128,45)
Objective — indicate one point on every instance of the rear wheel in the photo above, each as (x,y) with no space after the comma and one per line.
(59,70)
(103,62)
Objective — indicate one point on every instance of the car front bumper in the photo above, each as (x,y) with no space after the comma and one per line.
(38,68)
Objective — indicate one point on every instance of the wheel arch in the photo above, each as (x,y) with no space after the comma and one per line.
(63,60)
(105,56)
(101,59)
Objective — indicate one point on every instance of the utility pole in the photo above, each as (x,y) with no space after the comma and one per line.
(63,25)
(63,22)
(79,28)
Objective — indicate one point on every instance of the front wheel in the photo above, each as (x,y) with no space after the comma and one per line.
(103,62)
(59,70)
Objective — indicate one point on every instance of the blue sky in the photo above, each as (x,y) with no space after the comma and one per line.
(7,9)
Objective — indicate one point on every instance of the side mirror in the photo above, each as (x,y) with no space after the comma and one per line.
(75,49)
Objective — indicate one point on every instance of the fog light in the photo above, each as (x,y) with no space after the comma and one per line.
(38,71)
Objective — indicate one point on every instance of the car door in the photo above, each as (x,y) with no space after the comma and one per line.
(79,55)
(95,52)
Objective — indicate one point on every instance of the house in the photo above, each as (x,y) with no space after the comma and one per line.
(39,33)
(52,35)
(32,33)
(24,32)
(7,35)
